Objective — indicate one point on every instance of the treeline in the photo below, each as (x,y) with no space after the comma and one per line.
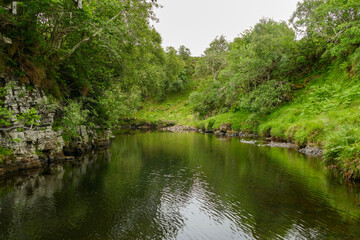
(265,65)
(98,61)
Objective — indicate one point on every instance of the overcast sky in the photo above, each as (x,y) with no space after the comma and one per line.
(195,23)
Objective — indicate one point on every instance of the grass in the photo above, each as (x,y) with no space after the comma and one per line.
(174,109)
(238,120)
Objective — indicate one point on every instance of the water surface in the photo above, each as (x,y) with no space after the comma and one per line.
(181,186)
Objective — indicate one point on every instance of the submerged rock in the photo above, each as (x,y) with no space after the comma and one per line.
(281,145)
(179,128)
(225,127)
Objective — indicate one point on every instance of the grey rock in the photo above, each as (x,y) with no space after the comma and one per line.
(225,127)
(26,142)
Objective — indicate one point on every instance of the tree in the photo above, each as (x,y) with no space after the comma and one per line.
(174,66)
(214,58)
(260,54)
(333,24)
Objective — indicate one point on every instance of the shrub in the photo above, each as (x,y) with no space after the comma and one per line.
(210,124)
(266,97)
(208,101)
(4,153)
(116,104)
(73,116)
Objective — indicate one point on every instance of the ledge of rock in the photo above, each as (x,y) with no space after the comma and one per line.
(36,146)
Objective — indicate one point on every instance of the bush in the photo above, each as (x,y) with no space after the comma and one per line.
(74,116)
(266,97)
(208,101)
(116,104)
(4,153)
(210,124)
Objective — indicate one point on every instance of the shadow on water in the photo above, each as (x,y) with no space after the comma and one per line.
(181,186)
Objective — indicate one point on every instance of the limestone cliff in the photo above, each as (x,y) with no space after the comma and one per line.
(38,144)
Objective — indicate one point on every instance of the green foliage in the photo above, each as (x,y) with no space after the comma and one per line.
(342,148)
(79,54)
(116,104)
(174,68)
(333,24)
(260,55)
(73,116)
(266,97)
(4,153)
(214,58)
(175,108)
(323,114)
(210,124)
(29,118)
(5,113)
(355,61)
(254,79)
(208,100)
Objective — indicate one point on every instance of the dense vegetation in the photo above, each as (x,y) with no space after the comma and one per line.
(296,81)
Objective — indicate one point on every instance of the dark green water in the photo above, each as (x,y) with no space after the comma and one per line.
(181,186)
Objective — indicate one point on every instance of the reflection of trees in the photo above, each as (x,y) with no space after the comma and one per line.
(268,193)
(155,189)
(31,209)
(152,182)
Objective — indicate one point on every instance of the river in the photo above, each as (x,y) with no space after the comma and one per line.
(181,186)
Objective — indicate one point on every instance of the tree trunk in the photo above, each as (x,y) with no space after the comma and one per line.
(14,7)
(79,2)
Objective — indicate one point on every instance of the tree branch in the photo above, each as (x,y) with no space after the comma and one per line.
(85,39)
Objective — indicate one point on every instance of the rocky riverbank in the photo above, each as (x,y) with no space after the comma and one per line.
(35,144)
(225,131)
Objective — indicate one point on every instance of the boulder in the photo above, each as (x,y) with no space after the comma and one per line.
(225,127)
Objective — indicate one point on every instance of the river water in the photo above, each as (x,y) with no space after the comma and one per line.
(181,186)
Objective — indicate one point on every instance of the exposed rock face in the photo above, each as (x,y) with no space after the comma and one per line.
(28,142)
(37,145)
(86,140)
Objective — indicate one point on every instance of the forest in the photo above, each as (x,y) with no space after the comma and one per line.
(101,62)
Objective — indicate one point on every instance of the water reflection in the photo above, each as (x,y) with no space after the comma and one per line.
(181,186)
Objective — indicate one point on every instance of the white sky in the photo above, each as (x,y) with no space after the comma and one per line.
(195,23)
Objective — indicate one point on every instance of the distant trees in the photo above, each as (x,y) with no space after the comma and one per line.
(251,61)
(261,54)
(174,66)
(214,58)
(258,70)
